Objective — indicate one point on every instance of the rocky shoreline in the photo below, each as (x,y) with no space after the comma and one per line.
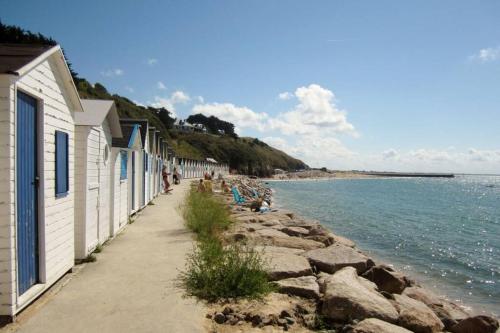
(324,282)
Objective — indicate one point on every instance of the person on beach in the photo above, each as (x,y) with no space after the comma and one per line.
(201,187)
(224,187)
(166,184)
(176,177)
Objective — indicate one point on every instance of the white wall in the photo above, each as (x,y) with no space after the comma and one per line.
(119,193)
(92,178)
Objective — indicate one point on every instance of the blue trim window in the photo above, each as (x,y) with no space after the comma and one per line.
(62,164)
(123,165)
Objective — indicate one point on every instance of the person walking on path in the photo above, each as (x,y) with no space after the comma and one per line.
(166,184)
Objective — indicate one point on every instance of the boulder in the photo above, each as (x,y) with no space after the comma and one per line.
(477,324)
(342,240)
(416,316)
(283,263)
(304,286)
(387,279)
(275,237)
(335,257)
(449,313)
(295,231)
(348,297)
(373,325)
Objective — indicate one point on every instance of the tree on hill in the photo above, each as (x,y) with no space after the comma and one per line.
(213,124)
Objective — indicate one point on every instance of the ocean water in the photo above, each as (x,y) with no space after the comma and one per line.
(445,233)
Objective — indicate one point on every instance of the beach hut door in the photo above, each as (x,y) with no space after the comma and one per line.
(27,192)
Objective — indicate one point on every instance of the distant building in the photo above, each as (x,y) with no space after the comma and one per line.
(183,126)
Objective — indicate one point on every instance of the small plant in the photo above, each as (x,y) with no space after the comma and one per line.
(90,258)
(214,271)
(98,249)
(205,215)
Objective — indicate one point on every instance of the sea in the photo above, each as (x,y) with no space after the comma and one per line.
(443,232)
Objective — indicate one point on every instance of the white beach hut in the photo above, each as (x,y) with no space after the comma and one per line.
(123,176)
(93,202)
(140,166)
(38,103)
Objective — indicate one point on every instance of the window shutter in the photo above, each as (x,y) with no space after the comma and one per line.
(123,166)
(62,164)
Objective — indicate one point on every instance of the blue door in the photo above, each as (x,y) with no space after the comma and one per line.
(27,192)
(133,179)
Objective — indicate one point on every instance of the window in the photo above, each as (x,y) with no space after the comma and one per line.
(62,165)
(105,154)
(123,166)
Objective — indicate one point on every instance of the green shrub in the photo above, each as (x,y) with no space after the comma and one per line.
(205,215)
(216,272)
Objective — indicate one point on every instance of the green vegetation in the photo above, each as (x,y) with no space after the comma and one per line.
(213,124)
(216,271)
(205,215)
(246,155)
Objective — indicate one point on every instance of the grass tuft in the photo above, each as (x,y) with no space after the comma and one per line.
(205,216)
(214,271)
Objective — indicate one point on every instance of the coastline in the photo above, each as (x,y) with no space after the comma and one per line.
(435,284)
(329,256)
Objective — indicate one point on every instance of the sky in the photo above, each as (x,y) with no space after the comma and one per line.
(366,85)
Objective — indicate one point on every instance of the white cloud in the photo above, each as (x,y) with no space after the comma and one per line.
(152,61)
(315,150)
(285,95)
(169,103)
(315,112)
(487,54)
(139,103)
(390,154)
(129,89)
(113,72)
(241,117)
(200,99)
(160,85)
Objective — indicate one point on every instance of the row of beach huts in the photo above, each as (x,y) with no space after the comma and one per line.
(72,172)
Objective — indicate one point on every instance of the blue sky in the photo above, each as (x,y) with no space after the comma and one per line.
(386,85)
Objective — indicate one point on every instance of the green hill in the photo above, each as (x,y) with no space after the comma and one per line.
(247,155)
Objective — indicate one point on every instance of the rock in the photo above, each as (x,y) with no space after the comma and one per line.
(273,237)
(347,297)
(304,286)
(335,257)
(256,320)
(295,231)
(416,316)
(297,243)
(373,325)
(283,263)
(342,240)
(227,310)
(386,279)
(477,324)
(219,318)
(449,313)
(233,320)
(270,223)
